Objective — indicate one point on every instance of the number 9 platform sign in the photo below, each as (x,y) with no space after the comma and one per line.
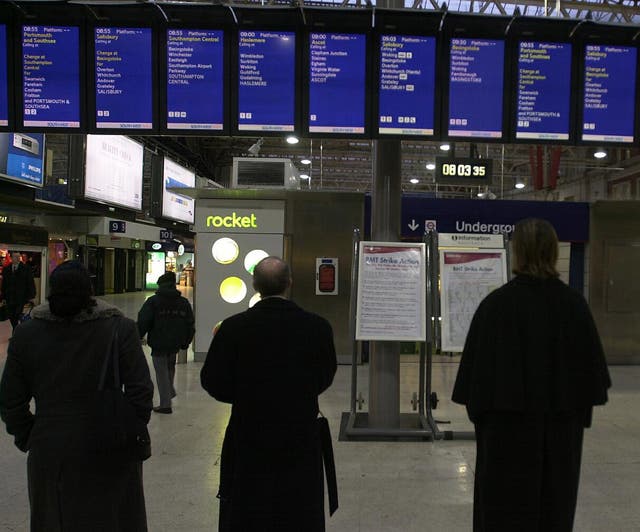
(391,304)
(463,171)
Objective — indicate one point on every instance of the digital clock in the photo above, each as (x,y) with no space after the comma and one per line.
(463,171)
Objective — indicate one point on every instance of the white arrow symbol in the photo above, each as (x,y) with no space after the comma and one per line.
(413,225)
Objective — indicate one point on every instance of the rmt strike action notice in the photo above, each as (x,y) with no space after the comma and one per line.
(51,76)
(195,73)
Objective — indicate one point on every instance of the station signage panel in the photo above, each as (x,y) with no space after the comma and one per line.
(195,79)
(124,78)
(4,81)
(407,85)
(609,100)
(337,83)
(22,157)
(266,80)
(51,76)
(543,91)
(174,205)
(476,79)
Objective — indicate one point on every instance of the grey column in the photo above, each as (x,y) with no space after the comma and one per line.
(384,357)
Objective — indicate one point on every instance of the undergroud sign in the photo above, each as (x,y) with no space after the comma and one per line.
(391,292)
(570,219)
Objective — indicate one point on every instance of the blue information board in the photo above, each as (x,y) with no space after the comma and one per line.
(266,81)
(544,90)
(609,93)
(51,76)
(124,79)
(4,82)
(195,79)
(22,157)
(337,83)
(406,85)
(476,78)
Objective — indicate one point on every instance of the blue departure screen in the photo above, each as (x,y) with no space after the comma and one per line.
(337,83)
(407,84)
(609,93)
(4,82)
(544,90)
(476,78)
(267,87)
(124,84)
(195,79)
(51,76)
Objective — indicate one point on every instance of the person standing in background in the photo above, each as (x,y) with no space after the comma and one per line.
(531,371)
(18,287)
(167,320)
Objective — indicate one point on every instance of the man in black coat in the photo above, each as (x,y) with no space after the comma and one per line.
(271,362)
(17,287)
(167,318)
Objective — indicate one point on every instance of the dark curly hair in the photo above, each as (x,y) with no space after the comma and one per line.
(70,289)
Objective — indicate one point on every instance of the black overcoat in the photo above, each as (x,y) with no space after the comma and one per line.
(17,287)
(57,362)
(271,363)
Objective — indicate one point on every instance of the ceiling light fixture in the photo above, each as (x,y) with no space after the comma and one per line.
(305,161)
(520,184)
(600,153)
(431,166)
(445,147)
(304,176)
(292,139)
(414,181)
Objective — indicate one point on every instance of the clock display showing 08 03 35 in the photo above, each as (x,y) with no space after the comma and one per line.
(467,169)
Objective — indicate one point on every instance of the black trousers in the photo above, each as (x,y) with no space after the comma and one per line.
(15,312)
(527,472)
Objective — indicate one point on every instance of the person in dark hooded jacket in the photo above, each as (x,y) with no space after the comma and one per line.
(167,320)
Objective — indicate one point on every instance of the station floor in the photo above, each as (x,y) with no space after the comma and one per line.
(403,486)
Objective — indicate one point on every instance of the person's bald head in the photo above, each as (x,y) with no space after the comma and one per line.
(271,277)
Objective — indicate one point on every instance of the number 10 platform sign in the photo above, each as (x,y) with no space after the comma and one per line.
(391,292)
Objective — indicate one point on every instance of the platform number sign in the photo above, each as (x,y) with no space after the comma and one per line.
(117,226)
(166,234)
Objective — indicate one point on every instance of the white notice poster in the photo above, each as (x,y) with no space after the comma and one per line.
(466,279)
(391,292)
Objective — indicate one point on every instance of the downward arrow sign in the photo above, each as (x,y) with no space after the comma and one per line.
(413,225)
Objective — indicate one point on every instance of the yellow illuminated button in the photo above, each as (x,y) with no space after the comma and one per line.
(253,258)
(254,299)
(225,250)
(233,290)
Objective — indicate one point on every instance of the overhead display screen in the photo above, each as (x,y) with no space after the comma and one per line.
(609,93)
(51,76)
(22,157)
(195,79)
(476,78)
(544,90)
(124,78)
(176,206)
(337,83)
(407,85)
(113,170)
(4,82)
(266,81)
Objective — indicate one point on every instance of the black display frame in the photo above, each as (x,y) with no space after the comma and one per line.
(472,26)
(130,16)
(322,20)
(403,23)
(189,17)
(540,31)
(592,33)
(8,15)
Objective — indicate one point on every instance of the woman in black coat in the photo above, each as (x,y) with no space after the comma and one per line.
(531,371)
(56,358)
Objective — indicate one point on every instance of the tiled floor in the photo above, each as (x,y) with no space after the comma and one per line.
(383,486)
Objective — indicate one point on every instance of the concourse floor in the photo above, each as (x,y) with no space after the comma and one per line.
(405,486)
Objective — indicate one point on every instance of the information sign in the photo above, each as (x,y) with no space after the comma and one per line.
(195,79)
(22,157)
(177,206)
(124,78)
(391,292)
(476,78)
(337,85)
(266,81)
(406,85)
(543,91)
(609,93)
(4,82)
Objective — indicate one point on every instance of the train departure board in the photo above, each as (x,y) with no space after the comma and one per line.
(543,91)
(195,79)
(406,85)
(609,93)
(124,78)
(266,81)
(337,83)
(476,78)
(4,82)
(51,76)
